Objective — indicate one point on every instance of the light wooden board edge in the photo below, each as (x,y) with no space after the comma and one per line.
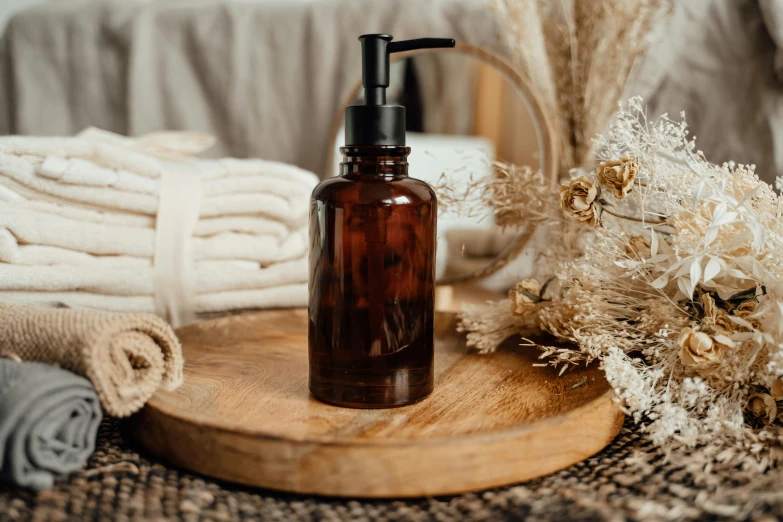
(414,469)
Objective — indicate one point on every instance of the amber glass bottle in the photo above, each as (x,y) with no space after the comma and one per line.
(372,233)
(372,255)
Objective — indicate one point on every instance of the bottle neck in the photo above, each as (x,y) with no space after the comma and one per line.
(381,160)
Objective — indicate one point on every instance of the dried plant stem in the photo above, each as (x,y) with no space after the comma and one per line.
(631,218)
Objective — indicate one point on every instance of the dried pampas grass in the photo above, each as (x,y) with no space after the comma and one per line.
(578,55)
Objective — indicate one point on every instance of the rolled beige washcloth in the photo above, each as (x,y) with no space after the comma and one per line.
(126,356)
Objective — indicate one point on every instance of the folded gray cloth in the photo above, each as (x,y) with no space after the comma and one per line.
(49,419)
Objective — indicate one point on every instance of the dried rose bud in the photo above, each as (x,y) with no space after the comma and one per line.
(525,293)
(715,316)
(701,347)
(579,198)
(762,405)
(618,175)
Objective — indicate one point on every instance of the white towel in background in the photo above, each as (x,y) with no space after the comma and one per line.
(284,296)
(204,227)
(78,224)
(40,229)
(213,276)
(246,194)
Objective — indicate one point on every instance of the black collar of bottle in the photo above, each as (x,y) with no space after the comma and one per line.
(375,122)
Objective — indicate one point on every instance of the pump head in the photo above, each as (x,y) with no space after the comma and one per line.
(375,122)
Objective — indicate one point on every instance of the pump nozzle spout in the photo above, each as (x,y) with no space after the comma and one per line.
(376,49)
(376,123)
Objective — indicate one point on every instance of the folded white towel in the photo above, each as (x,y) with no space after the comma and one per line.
(205,226)
(39,229)
(220,197)
(211,277)
(285,296)
(78,223)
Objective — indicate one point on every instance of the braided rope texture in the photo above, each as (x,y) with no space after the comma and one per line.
(629,480)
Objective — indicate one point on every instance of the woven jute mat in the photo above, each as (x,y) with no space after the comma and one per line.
(629,480)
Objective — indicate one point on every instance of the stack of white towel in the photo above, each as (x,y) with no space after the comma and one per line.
(78,224)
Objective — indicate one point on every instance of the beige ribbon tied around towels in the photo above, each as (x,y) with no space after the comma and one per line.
(175,295)
(178,213)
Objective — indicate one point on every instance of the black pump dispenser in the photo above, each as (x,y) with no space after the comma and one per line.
(375,122)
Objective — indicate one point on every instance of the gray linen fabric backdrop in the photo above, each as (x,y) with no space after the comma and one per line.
(266,78)
(716,60)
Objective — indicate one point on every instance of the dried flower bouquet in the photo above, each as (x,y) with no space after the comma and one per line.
(677,290)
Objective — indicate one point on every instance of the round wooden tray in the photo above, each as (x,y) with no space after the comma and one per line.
(244,414)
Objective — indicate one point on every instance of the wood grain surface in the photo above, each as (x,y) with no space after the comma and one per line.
(244,414)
